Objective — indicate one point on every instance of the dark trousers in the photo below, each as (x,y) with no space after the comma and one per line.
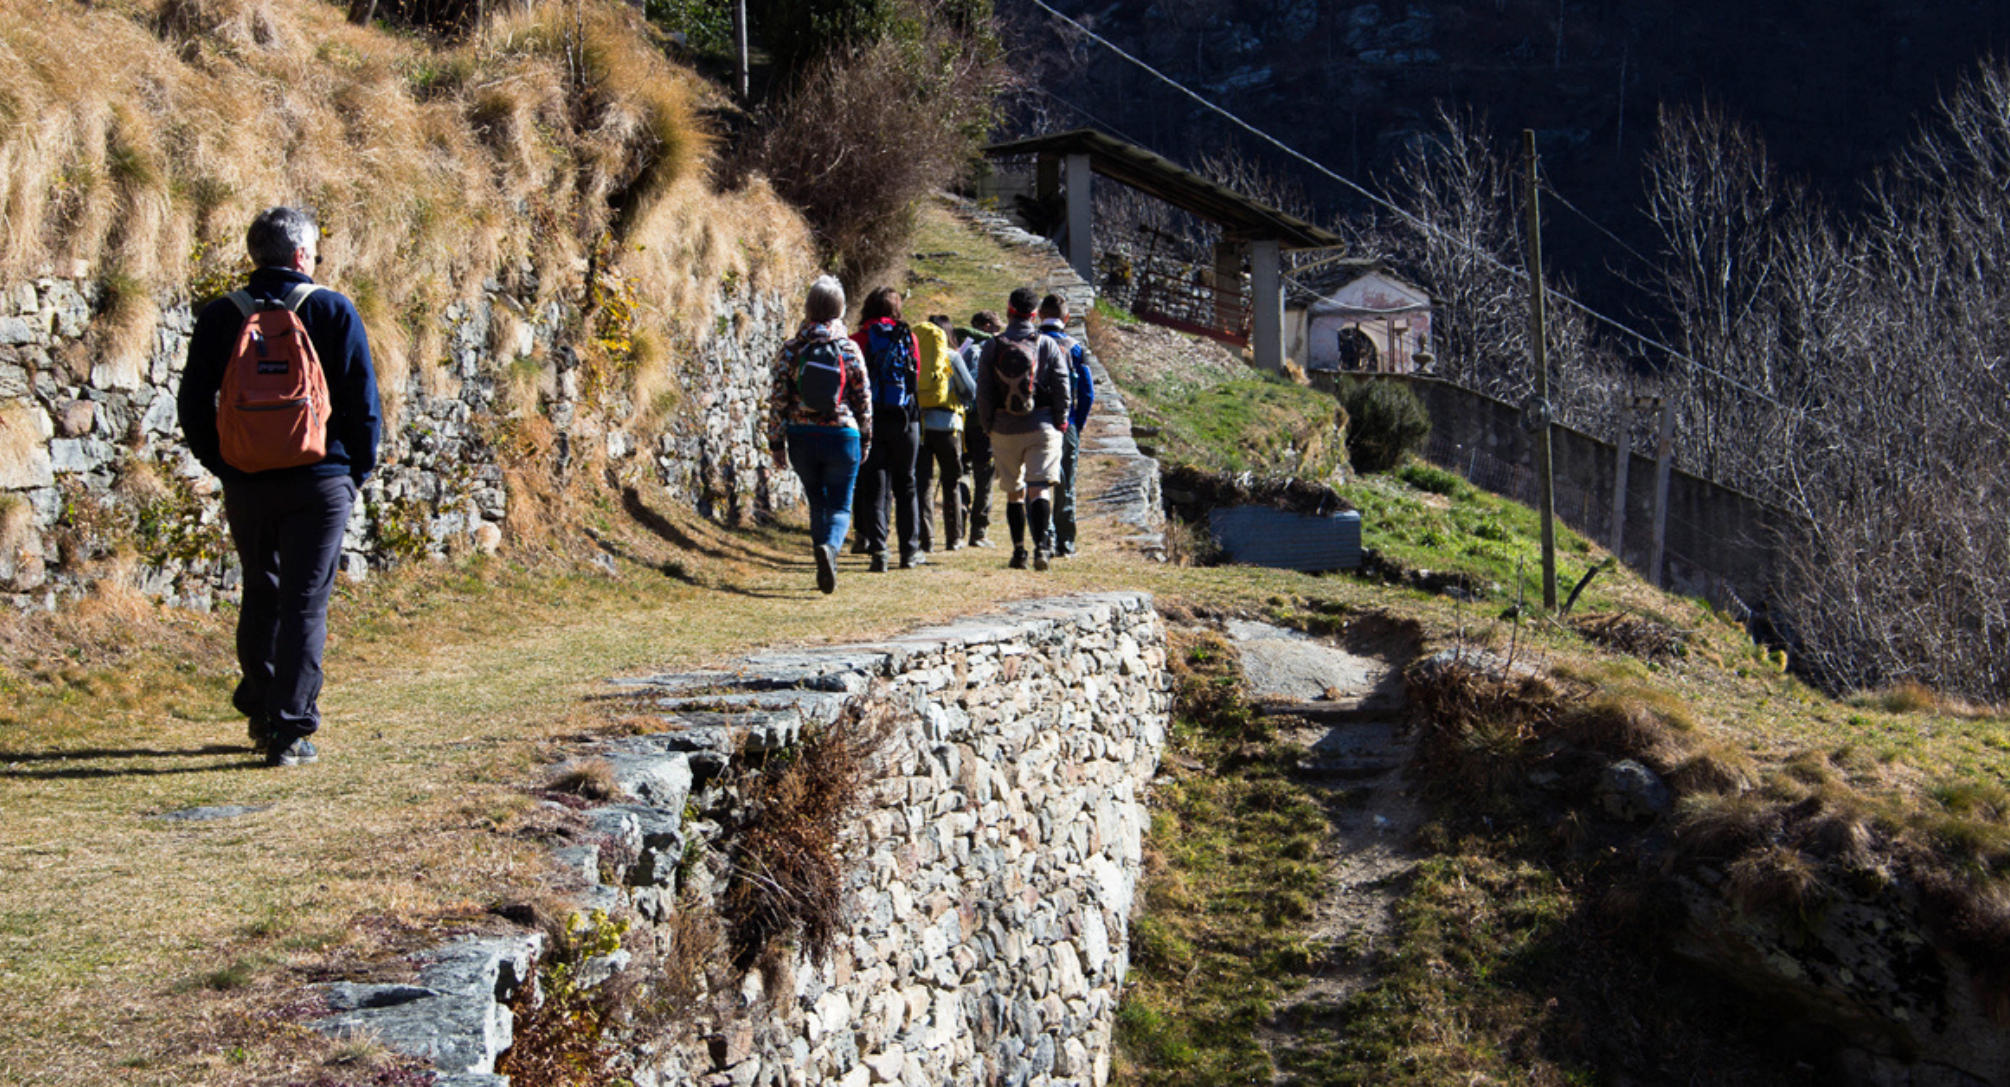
(289,535)
(1064,497)
(941,451)
(977,453)
(826,460)
(889,475)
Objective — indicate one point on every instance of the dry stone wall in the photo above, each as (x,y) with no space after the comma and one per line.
(992,873)
(91,459)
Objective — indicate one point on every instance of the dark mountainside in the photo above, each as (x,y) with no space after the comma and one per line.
(1833,88)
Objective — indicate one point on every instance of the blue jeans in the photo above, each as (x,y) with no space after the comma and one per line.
(826,460)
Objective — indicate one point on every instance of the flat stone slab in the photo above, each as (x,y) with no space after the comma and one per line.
(1288,666)
(213,813)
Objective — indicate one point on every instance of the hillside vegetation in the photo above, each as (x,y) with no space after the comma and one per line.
(550,144)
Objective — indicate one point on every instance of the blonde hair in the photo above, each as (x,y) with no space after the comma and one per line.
(826,300)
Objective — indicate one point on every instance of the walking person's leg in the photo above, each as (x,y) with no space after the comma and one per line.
(255,532)
(945,449)
(869,498)
(310,545)
(924,480)
(900,470)
(1064,500)
(983,470)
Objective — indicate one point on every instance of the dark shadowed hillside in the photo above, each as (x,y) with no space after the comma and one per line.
(1833,87)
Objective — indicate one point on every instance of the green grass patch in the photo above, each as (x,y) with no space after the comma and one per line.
(1235,874)
(1267,425)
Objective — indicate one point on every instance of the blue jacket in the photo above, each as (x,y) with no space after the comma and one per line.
(355,419)
(1083,393)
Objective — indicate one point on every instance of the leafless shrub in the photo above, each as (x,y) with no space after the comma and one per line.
(788,873)
(1643,638)
(1855,378)
(866,133)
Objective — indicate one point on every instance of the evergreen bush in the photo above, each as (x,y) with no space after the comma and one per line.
(1386,423)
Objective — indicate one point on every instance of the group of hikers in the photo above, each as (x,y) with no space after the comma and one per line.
(279,401)
(873,420)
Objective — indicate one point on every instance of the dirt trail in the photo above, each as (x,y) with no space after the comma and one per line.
(1342,706)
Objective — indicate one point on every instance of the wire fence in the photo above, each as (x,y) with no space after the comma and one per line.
(1589,512)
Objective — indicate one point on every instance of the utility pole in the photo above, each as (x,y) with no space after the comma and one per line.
(740,44)
(1623,465)
(1664,457)
(1539,350)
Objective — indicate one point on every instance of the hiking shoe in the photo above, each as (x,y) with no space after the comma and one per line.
(1018,558)
(878,562)
(298,753)
(911,559)
(980,541)
(858,547)
(1040,558)
(827,573)
(260,732)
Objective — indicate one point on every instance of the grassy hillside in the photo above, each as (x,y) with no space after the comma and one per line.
(134,950)
(138,138)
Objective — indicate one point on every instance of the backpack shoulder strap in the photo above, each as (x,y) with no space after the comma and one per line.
(299,294)
(245,304)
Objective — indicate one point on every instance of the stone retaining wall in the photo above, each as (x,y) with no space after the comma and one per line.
(91,459)
(991,876)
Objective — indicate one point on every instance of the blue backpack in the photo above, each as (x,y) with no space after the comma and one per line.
(890,359)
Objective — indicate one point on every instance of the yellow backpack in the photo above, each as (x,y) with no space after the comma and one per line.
(932,386)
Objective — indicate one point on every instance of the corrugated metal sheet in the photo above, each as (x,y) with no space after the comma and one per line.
(1261,536)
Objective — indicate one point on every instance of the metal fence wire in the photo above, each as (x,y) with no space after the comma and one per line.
(1589,513)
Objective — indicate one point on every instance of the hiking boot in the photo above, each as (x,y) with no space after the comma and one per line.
(298,753)
(260,732)
(1018,558)
(878,562)
(1040,558)
(911,559)
(979,541)
(827,574)
(859,547)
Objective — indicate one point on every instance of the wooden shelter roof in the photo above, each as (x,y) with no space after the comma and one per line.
(1157,176)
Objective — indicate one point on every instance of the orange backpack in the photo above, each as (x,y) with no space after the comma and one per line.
(272,411)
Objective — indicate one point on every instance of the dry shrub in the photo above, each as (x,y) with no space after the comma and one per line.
(590,778)
(1625,725)
(788,864)
(1714,767)
(866,133)
(1773,879)
(1907,698)
(1643,638)
(1715,826)
(1477,730)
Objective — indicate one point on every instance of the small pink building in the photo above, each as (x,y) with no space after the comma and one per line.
(1370,321)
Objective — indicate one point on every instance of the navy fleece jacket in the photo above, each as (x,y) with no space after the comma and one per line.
(355,419)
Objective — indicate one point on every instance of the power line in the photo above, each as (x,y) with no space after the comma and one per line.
(1418,223)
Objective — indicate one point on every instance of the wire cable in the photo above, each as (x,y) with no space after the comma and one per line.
(1419,224)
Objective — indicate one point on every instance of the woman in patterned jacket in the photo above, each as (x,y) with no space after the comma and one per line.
(820,419)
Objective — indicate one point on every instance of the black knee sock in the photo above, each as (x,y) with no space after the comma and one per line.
(1015,519)
(1039,512)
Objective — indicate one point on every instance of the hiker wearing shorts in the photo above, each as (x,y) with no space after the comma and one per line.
(1022,402)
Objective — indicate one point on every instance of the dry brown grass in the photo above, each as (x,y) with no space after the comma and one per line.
(788,855)
(137,140)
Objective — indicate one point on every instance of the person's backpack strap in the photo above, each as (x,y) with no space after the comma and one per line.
(247,305)
(298,295)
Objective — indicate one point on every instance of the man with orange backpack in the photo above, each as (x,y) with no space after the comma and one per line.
(279,400)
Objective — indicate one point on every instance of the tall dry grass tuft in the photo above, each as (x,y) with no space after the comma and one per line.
(139,140)
(788,862)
